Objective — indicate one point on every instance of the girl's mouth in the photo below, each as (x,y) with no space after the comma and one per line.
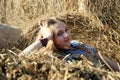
(66,40)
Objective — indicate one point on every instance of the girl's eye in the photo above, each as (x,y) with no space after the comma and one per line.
(66,29)
(60,34)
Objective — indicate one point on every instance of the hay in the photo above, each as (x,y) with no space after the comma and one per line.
(93,22)
(42,67)
(108,11)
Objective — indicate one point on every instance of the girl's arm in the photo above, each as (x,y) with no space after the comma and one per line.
(104,59)
(46,34)
(109,63)
(35,46)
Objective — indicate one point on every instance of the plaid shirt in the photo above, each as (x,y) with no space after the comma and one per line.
(79,49)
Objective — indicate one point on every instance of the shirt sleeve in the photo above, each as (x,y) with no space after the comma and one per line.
(75,43)
(91,48)
(78,44)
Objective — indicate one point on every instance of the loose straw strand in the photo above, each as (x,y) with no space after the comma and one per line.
(105,62)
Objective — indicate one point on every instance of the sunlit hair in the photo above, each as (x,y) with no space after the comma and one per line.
(48,22)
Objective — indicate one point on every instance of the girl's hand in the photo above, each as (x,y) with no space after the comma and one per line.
(46,32)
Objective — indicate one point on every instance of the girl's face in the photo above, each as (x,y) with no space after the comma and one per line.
(62,36)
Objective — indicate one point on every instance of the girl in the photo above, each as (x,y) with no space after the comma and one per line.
(55,30)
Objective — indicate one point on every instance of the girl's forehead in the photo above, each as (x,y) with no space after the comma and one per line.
(58,26)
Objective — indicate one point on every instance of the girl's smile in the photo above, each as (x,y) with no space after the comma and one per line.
(62,36)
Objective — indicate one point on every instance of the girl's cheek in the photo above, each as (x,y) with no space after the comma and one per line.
(59,40)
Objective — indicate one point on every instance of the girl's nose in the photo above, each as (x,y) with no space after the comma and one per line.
(66,35)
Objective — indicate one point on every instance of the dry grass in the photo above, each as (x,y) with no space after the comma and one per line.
(46,66)
(93,22)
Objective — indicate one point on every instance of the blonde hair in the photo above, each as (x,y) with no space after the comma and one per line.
(48,22)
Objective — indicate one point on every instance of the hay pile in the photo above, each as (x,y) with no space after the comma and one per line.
(93,22)
(48,67)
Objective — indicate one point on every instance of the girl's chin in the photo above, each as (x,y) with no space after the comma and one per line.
(67,47)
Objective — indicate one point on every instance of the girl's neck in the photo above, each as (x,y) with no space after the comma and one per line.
(65,48)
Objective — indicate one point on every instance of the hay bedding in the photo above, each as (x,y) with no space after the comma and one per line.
(48,67)
(42,67)
(94,29)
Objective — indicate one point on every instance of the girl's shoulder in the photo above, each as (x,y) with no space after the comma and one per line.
(86,50)
(77,44)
